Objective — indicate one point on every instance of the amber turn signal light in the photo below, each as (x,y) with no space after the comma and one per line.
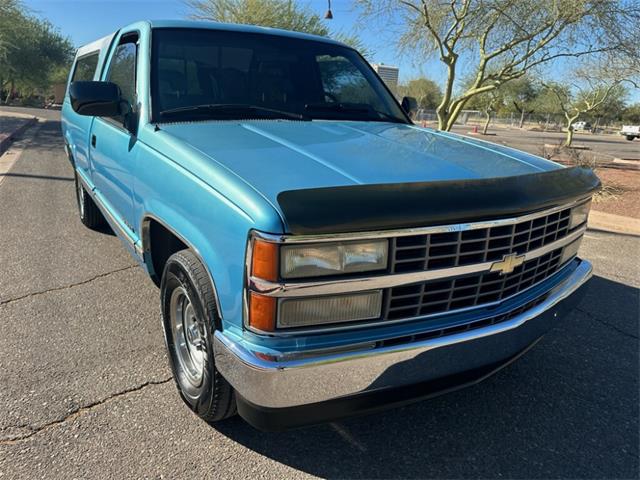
(262,312)
(264,262)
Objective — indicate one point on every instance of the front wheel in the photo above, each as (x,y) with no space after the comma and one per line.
(189,316)
(630,137)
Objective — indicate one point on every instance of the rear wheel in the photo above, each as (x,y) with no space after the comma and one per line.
(630,137)
(90,214)
(189,317)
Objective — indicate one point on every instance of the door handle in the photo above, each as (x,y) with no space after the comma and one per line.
(93,141)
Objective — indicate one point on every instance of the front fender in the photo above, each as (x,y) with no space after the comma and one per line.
(189,235)
(207,221)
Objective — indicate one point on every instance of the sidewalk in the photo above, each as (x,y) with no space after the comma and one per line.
(12,125)
(609,222)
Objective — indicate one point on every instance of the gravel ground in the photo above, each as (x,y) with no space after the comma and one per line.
(86,391)
(626,196)
(625,202)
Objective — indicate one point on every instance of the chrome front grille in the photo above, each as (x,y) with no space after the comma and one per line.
(455,249)
(451,249)
(464,327)
(439,296)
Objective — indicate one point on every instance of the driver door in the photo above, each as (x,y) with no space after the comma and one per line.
(113,145)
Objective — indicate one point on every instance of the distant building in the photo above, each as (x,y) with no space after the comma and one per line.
(388,74)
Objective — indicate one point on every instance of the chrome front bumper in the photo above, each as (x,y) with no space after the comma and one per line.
(283,383)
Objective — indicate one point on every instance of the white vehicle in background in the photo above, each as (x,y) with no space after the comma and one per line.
(582,127)
(630,131)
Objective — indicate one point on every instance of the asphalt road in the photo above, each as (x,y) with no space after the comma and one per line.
(85,390)
(606,146)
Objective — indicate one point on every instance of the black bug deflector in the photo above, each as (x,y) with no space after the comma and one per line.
(406,205)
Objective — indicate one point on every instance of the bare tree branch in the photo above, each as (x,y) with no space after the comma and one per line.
(502,40)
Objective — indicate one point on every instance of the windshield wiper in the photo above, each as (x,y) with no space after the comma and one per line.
(231,110)
(352,108)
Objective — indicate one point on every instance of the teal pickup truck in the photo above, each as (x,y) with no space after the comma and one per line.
(318,255)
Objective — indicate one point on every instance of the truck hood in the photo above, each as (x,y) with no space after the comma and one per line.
(276,156)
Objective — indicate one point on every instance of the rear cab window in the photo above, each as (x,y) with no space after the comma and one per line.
(85,67)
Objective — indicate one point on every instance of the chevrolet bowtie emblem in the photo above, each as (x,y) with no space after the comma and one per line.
(508,263)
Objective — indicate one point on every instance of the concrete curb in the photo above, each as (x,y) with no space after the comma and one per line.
(14,150)
(6,141)
(608,222)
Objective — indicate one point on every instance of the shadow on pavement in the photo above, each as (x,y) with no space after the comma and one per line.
(50,137)
(569,408)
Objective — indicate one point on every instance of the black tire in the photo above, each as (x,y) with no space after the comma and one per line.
(630,137)
(186,280)
(90,214)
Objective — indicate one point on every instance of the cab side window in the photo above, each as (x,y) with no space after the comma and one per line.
(85,67)
(122,71)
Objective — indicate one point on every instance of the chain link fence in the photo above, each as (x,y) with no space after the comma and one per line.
(547,122)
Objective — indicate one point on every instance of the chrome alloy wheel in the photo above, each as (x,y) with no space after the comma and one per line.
(188,337)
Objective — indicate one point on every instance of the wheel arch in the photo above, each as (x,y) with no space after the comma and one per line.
(156,232)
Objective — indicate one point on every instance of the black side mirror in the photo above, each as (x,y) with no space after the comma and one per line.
(409,105)
(95,99)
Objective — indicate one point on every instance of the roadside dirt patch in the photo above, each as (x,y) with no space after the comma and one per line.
(621,194)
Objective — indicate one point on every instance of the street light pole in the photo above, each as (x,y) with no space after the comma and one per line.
(328,15)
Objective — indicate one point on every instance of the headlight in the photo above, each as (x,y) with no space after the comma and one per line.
(274,262)
(306,312)
(322,259)
(579,214)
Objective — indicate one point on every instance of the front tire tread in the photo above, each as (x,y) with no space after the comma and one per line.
(220,404)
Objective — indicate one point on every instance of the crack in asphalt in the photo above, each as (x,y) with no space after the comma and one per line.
(606,324)
(76,413)
(65,287)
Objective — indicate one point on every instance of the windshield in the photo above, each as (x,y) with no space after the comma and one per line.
(200,74)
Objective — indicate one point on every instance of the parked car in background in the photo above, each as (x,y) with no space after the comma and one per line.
(317,253)
(630,131)
(582,126)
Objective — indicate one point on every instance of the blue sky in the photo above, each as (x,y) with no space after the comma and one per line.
(87,20)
